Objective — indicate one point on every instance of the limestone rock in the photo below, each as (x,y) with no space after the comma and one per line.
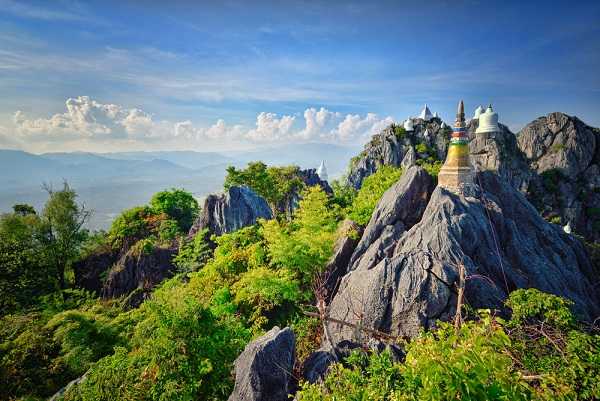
(400,207)
(410,158)
(500,239)
(263,371)
(337,267)
(558,141)
(89,271)
(500,153)
(139,268)
(388,148)
(238,207)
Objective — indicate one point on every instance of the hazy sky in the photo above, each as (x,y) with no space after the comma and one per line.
(121,75)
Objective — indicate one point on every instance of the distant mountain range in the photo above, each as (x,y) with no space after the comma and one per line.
(110,182)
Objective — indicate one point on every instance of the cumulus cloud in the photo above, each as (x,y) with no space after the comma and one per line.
(271,128)
(88,120)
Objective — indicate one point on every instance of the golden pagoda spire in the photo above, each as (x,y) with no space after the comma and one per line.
(457,171)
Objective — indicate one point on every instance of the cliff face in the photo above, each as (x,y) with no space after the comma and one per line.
(390,146)
(554,161)
(495,233)
(564,155)
(224,213)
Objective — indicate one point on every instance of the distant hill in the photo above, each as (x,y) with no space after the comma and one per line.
(110,182)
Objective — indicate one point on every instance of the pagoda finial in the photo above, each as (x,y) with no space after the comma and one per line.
(460,115)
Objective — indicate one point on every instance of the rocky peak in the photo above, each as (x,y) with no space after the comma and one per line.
(558,141)
(496,234)
(236,208)
(390,146)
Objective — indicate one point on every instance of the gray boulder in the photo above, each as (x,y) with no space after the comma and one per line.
(400,208)
(236,208)
(558,141)
(500,239)
(349,234)
(501,154)
(263,372)
(410,158)
(139,269)
(390,148)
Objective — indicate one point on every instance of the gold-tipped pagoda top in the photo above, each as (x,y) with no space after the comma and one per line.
(460,115)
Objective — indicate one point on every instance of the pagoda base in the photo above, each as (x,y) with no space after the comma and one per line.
(456,178)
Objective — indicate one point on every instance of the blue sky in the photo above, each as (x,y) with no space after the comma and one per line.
(197,75)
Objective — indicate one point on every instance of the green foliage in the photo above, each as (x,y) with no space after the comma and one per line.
(179,351)
(370,193)
(308,331)
(275,184)
(131,226)
(23,209)
(529,305)
(540,354)
(399,131)
(433,167)
(261,290)
(168,230)
(558,147)
(305,244)
(63,221)
(343,194)
(178,204)
(193,254)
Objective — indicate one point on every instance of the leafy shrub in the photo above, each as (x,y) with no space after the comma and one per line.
(260,291)
(540,354)
(399,131)
(370,193)
(193,254)
(179,351)
(275,184)
(178,204)
(305,244)
(130,226)
(343,194)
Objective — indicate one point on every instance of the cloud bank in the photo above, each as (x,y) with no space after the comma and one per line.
(89,121)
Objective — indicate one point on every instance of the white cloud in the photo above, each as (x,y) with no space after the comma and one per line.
(87,121)
(270,128)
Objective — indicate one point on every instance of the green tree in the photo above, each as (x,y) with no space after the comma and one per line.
(305,244)
(178,204)
(276,184)
(63,221)
(373,188)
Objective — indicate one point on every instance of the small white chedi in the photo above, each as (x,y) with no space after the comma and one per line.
(408,125)
(322,172)
(426,114)
(488,121)
(478,112)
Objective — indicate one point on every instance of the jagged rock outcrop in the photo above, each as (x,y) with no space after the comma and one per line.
(89,272)
(500,239)
(291,201)
(263,372)
(337,267)
(311,178)
(554,161)
(139,268)
(400,208)
(236,208)
(390,146)
(499,152)
(558,141)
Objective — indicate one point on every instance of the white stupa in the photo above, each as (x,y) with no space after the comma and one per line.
(568,228)
(443,125)
(478,112)
(322,172)
(408,125)
(435,115)
(488,121)
(426,114)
